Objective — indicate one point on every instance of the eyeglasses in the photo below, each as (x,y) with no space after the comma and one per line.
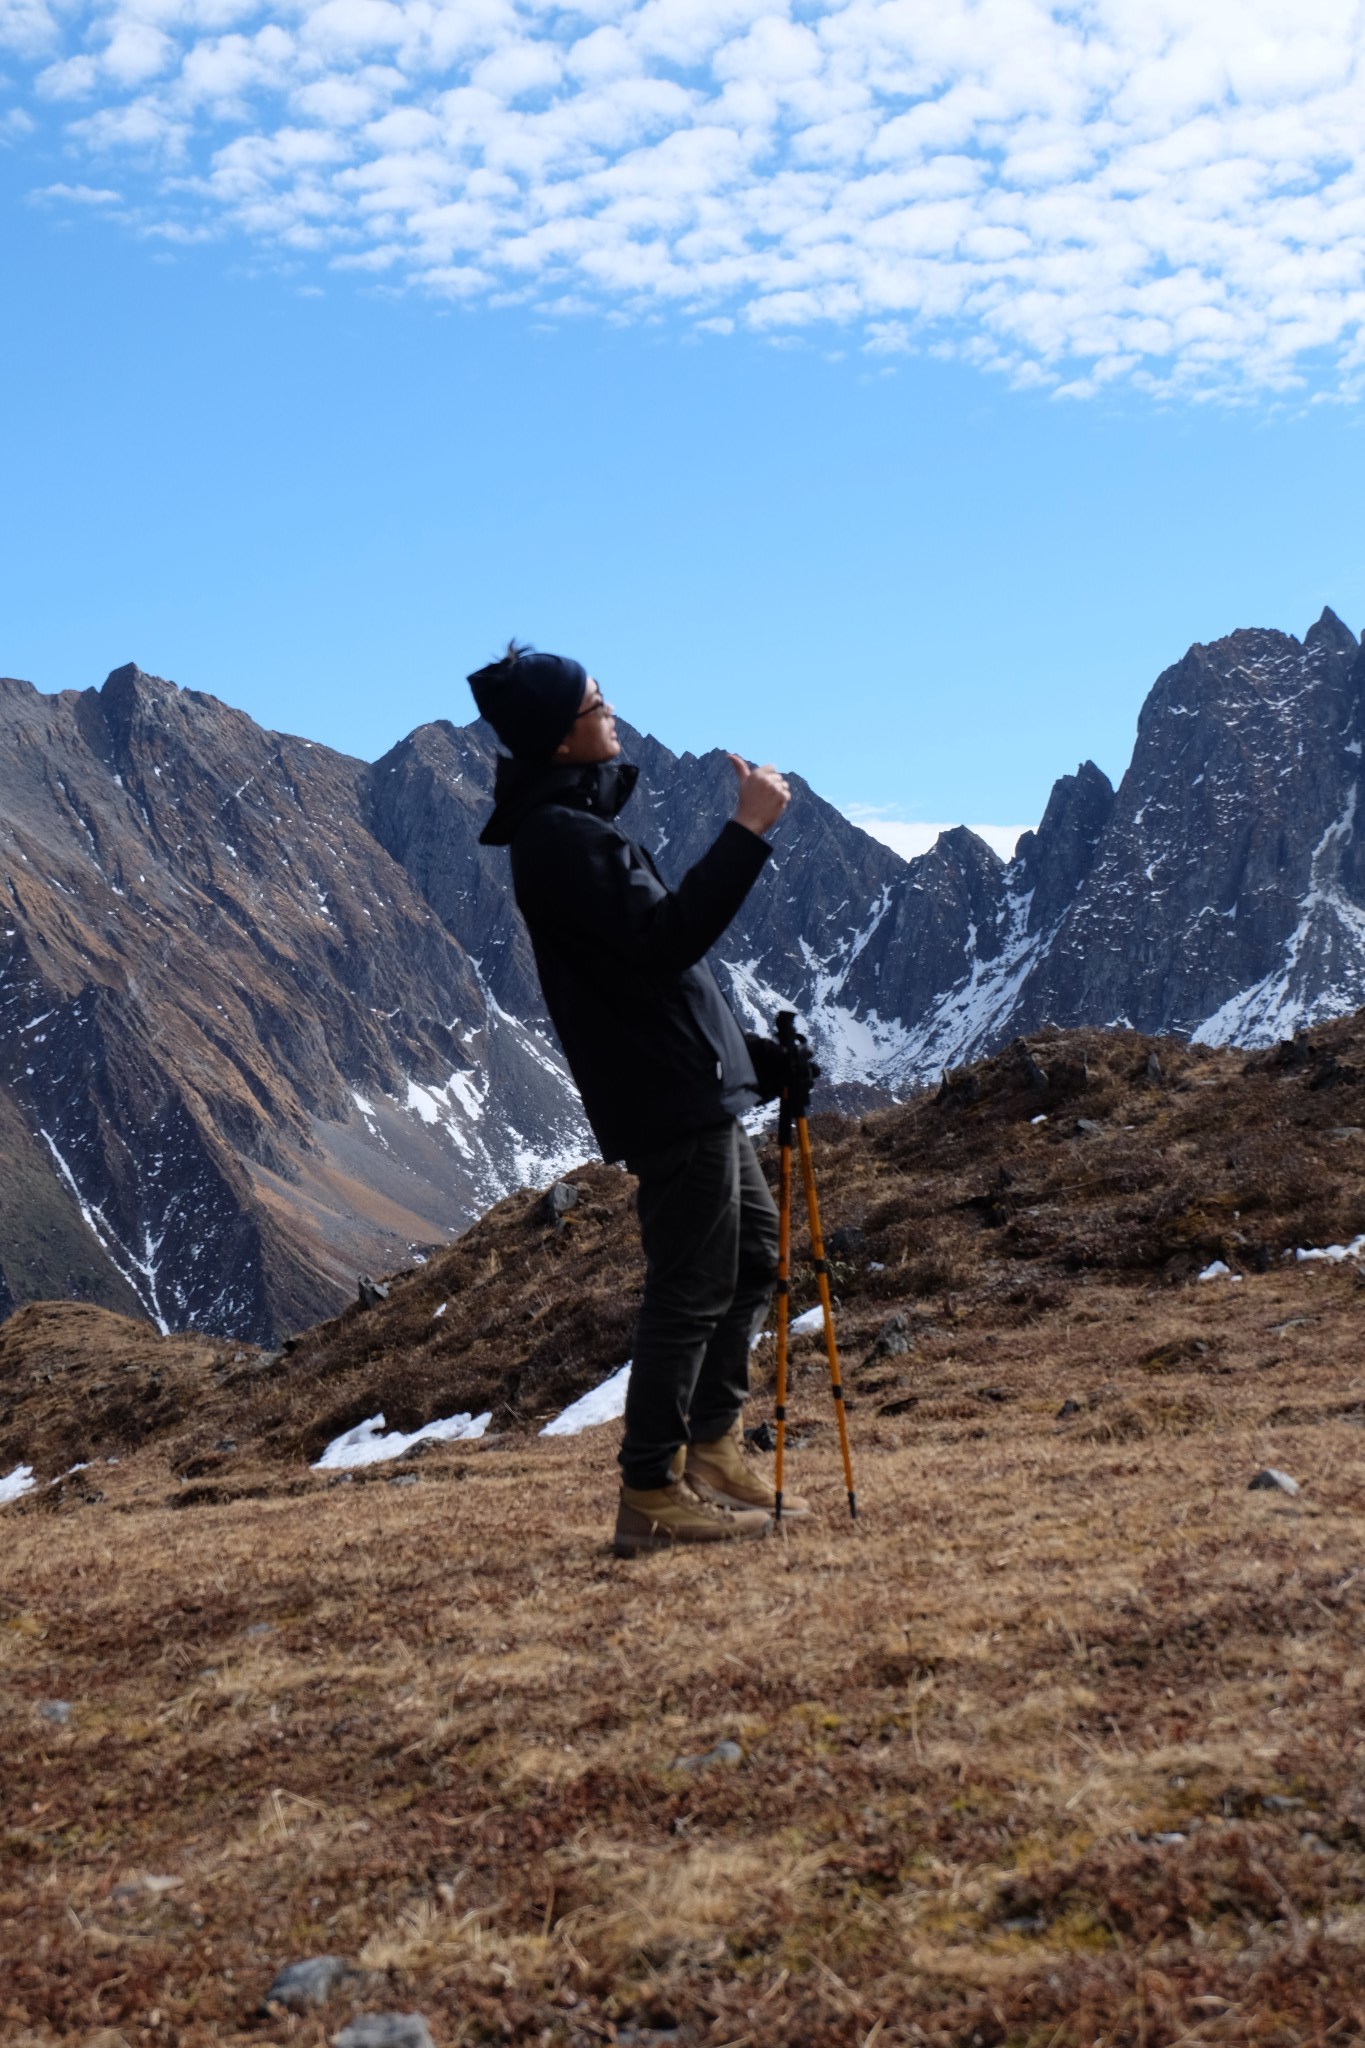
(599,703)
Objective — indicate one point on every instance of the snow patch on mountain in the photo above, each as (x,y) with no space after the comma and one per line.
(140,1273)
(973,1016)
(1322,971)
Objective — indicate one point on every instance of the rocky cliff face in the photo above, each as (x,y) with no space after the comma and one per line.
(240,1053)
(268,1016)
(1219,893)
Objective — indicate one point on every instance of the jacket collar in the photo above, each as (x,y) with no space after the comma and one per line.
(520,787)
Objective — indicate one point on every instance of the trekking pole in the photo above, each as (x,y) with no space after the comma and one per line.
(794,1104)
(836,1384)
(784,1245)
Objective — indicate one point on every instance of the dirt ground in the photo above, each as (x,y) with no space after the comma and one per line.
(1061,1745)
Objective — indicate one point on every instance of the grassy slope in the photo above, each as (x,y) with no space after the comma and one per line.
(966,1724)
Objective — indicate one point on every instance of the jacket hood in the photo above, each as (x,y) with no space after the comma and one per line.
(520,787)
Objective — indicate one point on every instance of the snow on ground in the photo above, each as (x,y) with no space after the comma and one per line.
(812,1319)
(1217,1271)
(19,1481)
(1335,1252)
(367,1443)
(604,1403)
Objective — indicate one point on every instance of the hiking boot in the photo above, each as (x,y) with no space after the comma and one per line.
(653,1518)
(721,1473)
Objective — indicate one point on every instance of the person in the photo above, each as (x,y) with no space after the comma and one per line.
(665,1074)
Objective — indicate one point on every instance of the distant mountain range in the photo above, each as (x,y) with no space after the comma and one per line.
(268,1016)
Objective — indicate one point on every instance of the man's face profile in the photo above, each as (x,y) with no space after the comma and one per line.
(592,736)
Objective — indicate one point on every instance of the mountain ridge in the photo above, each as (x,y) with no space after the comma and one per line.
(268,1016)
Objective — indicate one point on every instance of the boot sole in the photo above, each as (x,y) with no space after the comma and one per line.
(733,1501)
(638,1546)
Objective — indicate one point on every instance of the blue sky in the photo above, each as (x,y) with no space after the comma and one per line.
(889,390)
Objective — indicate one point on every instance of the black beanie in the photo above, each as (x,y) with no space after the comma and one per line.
(531,700)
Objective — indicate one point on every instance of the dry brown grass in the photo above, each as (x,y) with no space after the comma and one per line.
(1060,1746)
(966,1723)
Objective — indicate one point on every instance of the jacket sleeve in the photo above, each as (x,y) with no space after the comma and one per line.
(579,876)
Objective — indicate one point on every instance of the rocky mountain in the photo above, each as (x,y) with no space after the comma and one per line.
(1219,893)
(268,1016)
(240,1055)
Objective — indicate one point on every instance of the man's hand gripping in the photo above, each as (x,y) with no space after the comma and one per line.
(763,795)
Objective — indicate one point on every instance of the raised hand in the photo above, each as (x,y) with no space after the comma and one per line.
(763,795)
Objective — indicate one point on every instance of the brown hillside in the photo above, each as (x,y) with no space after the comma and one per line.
(998,1206)
(1057,1747)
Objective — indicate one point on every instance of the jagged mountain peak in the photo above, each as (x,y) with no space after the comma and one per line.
(1331,633)
(1053,862)
(129,691)
(960,844)
(129,675)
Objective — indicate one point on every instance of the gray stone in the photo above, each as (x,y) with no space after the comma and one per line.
(370,1292)
(259,1628)
(1153,1067)
(557,1201)
(1088,1126)
(893,1340)
(56,1711)
(149,1885)
(1272,1479)
(1035,1075)
(1068,1409)
(386,2030)
(959,1090)
(310,1982)
(723,1753)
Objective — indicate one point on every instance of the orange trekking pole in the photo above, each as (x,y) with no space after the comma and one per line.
(795,1102)
(784,1247)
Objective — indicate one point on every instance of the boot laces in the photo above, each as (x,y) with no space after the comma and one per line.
(708,1507)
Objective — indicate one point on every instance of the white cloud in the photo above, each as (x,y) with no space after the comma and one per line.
(911,837)
(1136,191)
(77,195)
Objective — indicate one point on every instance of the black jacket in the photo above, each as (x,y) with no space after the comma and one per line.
(648,1036)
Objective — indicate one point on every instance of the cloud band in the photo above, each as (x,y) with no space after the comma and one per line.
(1131,190)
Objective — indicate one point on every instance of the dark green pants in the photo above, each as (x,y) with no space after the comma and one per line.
(709,1229)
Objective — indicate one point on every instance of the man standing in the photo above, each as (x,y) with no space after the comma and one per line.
(664,1072)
